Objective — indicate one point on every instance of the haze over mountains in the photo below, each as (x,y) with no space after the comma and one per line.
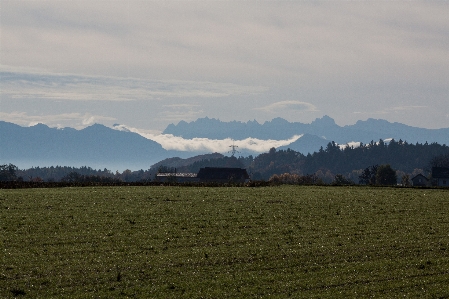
(101,147)
(325,127)
(96,146)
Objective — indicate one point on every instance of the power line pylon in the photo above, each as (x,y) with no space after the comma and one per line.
(233,151)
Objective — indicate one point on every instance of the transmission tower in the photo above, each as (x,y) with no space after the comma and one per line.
(233,151)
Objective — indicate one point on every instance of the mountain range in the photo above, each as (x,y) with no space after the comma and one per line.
(98,146)
(324,128)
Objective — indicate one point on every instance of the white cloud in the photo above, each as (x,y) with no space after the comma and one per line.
(288,106)
(354,144)
(170,142)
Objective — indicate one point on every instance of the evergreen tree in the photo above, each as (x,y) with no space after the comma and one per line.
(8,172)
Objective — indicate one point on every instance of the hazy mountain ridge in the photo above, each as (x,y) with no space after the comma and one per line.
(96,146)
(325,127)
(306,144)
(99,146)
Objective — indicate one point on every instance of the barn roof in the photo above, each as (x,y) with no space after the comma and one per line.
(418,176)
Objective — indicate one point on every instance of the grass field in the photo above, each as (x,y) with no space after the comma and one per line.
(188,242)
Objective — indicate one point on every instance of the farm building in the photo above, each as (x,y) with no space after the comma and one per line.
(440,176)
(420,181)
(223,175)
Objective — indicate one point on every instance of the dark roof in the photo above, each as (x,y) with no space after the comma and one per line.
(222,173)
(440,172)
(419,175)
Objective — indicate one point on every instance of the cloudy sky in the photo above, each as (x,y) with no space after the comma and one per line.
(146,64)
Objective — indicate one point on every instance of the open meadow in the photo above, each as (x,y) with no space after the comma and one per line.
(227,242)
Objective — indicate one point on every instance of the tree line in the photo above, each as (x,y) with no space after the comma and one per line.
(351,162)
(333,164)
(10,172)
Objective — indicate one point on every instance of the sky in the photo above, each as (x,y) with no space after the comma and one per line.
(146,64)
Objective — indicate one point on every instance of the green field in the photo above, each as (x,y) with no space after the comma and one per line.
(191,242)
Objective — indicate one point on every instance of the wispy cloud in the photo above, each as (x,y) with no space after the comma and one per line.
(178,112)
(75,120)
(178,115)
(394,109)
(170,142)
(17,83)
(288,105)
(182,106)
(405,108)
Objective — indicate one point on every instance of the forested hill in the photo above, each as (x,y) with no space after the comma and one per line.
(402,156)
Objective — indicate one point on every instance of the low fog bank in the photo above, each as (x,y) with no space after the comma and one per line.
(176,143)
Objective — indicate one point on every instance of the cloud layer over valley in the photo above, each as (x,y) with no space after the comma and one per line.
(206,145)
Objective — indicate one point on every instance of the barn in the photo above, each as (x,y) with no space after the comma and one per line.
(440,176)
(420,181)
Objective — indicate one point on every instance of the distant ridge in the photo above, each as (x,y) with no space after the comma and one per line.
(306,144)
(325,127)
(97,146)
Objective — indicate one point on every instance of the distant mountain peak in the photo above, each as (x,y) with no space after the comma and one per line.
(253,122)
(277,121)
(325,121)
(39,125)
(96,127)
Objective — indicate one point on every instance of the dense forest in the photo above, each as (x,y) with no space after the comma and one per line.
(405,158)
(348,163)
